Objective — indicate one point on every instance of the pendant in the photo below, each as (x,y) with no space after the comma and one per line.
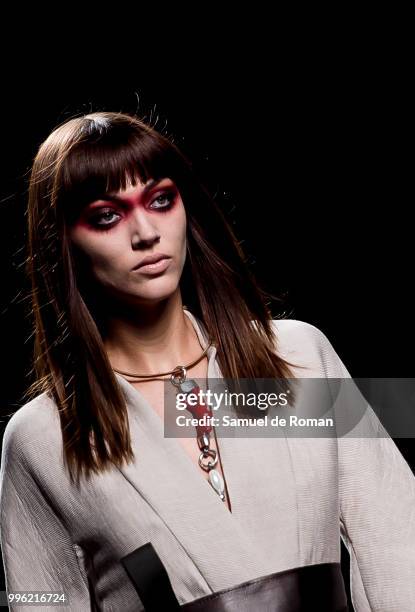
(217,483)
(188,386)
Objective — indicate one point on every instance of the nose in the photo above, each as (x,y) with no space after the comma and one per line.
(143,231)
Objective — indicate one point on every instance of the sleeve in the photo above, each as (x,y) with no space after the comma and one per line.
(377,508)
(37,551)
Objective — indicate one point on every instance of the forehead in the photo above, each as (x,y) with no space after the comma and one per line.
(131,191)
(137,187)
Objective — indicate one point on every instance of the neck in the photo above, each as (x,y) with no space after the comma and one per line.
(152,340)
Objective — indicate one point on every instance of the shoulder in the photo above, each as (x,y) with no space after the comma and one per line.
(31,461)
(294,333)
(33,426)
(308,346)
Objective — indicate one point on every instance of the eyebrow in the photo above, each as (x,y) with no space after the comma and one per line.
(115,198)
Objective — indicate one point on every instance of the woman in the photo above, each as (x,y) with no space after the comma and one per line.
(93,496)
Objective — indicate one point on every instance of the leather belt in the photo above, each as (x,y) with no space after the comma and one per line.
(309,588)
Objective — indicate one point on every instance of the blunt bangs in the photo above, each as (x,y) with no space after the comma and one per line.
(109,156)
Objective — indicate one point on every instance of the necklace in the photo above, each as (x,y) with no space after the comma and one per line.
(208,457)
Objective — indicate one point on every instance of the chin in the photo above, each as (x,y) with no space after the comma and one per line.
(156,291)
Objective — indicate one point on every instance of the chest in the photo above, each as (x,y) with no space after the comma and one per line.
(154,393)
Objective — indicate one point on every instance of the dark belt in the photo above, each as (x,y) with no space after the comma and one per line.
(309,588)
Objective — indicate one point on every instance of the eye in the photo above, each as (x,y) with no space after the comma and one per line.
(95,220)
(167,196)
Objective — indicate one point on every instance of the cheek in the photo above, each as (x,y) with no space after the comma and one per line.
(97,252)
(175,226)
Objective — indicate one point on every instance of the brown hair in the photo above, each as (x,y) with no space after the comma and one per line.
(82,158)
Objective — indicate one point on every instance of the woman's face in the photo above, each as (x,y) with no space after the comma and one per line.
(118,232)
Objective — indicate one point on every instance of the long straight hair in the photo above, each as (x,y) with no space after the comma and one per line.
(80,160)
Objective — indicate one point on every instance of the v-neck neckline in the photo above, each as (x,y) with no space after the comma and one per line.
(212,372)
(262,533)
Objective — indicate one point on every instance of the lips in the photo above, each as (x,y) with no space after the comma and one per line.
(151,259)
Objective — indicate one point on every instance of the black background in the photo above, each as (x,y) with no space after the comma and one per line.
(308,156)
